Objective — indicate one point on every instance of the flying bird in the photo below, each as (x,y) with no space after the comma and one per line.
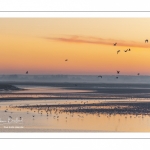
(118,51)
(115,44)
(26,72)
(118,72)
(146,40)
(100,76)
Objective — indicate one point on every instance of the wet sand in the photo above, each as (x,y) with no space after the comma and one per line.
(74,90)
(75,116)
(82,109)
(103,107)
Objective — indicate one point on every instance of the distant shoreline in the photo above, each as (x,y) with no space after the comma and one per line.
(59,78)
(12,91)
(8,87)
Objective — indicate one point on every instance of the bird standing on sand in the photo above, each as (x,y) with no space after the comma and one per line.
(115,44)
(66,59)
(146,41)
(118,51)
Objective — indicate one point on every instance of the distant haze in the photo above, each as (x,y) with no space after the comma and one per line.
(75,78)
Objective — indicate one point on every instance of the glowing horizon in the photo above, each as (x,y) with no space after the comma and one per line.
(41,45)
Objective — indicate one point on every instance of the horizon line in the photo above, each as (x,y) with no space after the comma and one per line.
(78,74)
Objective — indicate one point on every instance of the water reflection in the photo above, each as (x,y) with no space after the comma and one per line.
(77,115)
(57,109)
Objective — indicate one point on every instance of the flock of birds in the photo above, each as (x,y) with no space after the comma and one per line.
(124,50)
(80,109)
(146,41)
(55,109)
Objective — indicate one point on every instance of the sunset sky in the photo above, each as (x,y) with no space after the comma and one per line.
(42,45)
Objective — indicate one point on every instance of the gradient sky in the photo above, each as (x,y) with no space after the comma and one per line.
(42,45)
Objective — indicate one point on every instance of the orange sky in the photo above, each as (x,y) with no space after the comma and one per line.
(42,45)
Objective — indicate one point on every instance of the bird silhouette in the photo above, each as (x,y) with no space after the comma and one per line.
(115,44)
(146,41)
(66,59)
(118,72)
(26,72)
(100,76)
(118,51)
(125,50)
(138,74)
(129,49)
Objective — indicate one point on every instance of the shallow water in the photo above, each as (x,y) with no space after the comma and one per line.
(63,121)
(46,89)
(68,121)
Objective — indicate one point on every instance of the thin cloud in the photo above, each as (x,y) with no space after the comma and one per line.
(100,41)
